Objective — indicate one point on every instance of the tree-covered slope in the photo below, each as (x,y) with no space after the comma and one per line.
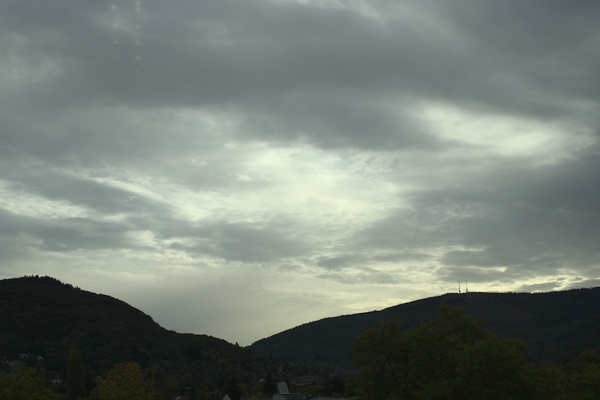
(553,325)
(42,316)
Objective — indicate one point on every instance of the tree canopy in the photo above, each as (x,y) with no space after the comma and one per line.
(125,381)
(24,385)
(76,387)
(450,357)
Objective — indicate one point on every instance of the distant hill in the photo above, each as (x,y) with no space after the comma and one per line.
(42,316)
(554,325)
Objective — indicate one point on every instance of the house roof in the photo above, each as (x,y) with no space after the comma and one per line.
(282,388)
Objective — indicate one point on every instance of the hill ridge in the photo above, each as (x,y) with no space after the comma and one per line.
(553,324)
(43,316)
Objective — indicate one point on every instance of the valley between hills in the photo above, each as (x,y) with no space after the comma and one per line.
(43,319)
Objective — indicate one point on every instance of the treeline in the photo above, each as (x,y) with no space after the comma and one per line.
(123,381)
(555,325)
(129,380)
(454,357)
(43,316)
(449,357)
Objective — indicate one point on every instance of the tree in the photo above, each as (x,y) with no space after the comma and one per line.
(578,380)
(126,381)
(76,388)
(584,382)
(448,358)
(233,389)
(24,386)
(269,385)
(334,386)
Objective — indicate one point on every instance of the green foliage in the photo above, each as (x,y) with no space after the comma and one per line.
(76,387)
(269,386)
(579,380)
(233,389)
(45,317)
(334,386)
(449,358)
(125,381)
(585,381)
(24,385)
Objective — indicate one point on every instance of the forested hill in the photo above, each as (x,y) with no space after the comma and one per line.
(42,316)
(554,325)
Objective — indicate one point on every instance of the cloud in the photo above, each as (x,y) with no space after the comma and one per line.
(540,287)
(515,221)
(298,156)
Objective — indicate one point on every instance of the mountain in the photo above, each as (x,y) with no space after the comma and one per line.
(554,325)
(43,316)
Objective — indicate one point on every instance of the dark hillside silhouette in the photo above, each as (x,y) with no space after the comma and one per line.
(554,325)
(43,316)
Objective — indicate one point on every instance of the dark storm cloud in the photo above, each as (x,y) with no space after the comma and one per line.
(62,235)
(529,219)
(550,47)
(82,192)
(281,50)
(104,139)
(361,277)
(332,119)
(298,66)
(340,262)
(242,242)
(289,62)
(246,243)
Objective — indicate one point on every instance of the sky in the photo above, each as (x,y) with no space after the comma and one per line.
(240,167)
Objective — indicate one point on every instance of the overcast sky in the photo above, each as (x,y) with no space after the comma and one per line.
(239,167)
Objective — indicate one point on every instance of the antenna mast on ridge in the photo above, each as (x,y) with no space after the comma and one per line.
(458,287)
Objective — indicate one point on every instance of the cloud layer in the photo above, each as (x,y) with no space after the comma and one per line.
(236,168)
